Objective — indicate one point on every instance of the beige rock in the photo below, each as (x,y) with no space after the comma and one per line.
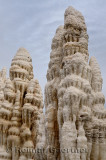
(75,113)
(21,110)
(74,124)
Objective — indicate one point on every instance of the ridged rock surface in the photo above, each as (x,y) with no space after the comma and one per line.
(21,110)
(74,124)
(75,113)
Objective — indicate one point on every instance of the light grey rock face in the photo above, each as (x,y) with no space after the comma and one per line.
(21,111)
(75,113)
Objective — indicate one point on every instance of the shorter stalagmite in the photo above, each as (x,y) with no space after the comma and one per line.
(21,111)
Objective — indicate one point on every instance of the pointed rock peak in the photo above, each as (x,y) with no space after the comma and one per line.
(74,18)
(93,60)
(22,52)
(3,73)
(21,66)
(72,11)
(9,84)
(4,69)
(95,66)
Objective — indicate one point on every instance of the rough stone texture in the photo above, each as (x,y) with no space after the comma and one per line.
(75,113)
(21,110)
(74,124)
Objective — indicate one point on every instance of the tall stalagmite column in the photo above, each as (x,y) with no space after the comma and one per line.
(75,114)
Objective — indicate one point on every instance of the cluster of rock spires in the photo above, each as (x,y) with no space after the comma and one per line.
(21,109)
(75,113)
(74,124)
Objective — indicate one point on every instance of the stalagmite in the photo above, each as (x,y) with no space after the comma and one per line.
(74,124)
(75,113)
(21,105)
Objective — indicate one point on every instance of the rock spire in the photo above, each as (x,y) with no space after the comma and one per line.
(75,113)
(21,108)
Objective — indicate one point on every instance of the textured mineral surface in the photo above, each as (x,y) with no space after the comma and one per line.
(74,124)
(21,110)
(74,102)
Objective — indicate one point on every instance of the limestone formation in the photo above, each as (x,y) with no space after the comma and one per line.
(74,103)
(21,110)
(74,124)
